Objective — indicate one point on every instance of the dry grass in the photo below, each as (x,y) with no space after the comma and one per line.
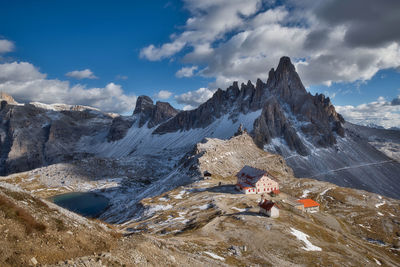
(12,211)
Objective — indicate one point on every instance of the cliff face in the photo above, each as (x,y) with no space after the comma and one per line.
(154,114)
(31,136)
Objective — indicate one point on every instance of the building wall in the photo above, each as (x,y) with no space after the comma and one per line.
(250,191)
(273,212)
(312,209)
(266,185)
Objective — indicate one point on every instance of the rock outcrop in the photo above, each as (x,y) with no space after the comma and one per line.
(119,128)
(153,114)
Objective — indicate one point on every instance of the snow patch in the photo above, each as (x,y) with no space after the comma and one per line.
(377,262)
(305,193)
(324,192)
(215,256)
(380,204)
(202,207)
(155,208)
(239,210)
(180,194)
(304,237)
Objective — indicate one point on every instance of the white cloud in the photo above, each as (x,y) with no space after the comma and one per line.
(6,46)
(381,112)
(193,99)
(25,83)
(163,94)
(81,74)
(186,72)
(153,53)
(211,21)
(241,40)
(19,72)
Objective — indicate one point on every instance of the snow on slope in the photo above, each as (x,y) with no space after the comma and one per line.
(62,107)
(304,237)
(350,163)
(142,141)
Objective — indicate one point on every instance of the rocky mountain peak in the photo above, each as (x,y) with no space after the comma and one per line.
(154,114)
(285,81)
(144,104)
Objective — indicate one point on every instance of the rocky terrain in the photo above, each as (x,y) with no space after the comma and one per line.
(203,222)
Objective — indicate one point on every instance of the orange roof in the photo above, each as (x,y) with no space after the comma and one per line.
(308,203)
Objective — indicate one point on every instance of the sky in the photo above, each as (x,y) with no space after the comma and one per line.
(106,53)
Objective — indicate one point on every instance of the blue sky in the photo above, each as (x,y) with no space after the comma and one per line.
(106,38)
(181,51)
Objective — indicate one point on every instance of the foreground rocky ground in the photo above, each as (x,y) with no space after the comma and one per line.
(202,223)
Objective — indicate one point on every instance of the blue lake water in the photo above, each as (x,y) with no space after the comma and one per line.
(84,203)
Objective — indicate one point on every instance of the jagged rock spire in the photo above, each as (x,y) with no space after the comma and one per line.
(285,81)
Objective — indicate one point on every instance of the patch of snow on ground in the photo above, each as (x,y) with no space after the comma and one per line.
(324,192)
(380,213)
(304,237)
(155,208)
(305,193)
(215,256)
(377,262)
(239,210)
(202,207)
(380,204)
(163,199)
(180,195)
(363,226)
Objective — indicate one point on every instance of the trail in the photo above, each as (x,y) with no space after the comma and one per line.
(353,167)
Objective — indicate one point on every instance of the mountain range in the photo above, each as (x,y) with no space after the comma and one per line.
(280,115)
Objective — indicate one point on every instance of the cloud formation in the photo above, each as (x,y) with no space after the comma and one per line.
(6,46)
(186,72)
(330,40)
(380,112)
(26,83)
(163,94)
(81,74)
(193,99)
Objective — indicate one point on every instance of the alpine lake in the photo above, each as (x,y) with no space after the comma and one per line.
(87,204)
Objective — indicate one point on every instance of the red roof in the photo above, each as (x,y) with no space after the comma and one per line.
(245,186)
(308,203)
(267,205)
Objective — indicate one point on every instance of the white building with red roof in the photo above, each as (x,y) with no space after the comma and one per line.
(255,181)
(269,208)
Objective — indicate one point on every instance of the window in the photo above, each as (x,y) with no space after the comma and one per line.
(258,190)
